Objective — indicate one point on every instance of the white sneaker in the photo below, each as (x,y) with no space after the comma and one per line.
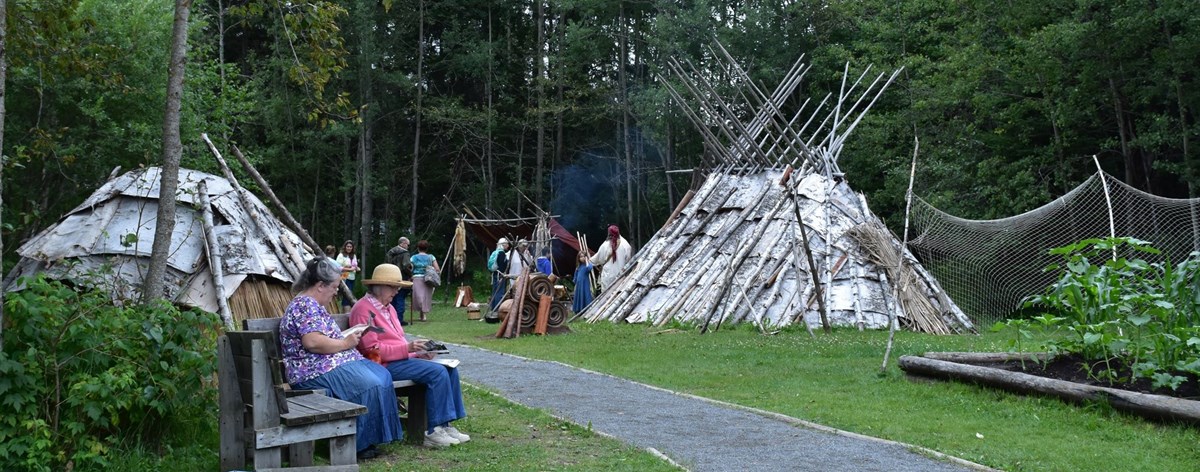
(456,434)
(439,438)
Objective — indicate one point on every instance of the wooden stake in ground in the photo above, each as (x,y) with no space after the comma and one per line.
(903,244)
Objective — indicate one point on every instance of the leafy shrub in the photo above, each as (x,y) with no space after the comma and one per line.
(79,373)
(1145,314)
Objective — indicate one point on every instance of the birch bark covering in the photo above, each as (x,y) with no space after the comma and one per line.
(732,254)
(734,229)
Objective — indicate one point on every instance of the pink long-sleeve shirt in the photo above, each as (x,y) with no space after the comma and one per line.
(391,342)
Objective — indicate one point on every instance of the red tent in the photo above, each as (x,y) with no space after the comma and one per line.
(564,246)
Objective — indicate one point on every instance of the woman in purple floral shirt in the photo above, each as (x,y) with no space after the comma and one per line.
(317,355)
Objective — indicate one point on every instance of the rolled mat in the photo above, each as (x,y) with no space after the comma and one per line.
(538,285)
(558,315)
(529,315)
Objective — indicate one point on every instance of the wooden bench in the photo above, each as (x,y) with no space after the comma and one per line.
(258,417)
(414,418)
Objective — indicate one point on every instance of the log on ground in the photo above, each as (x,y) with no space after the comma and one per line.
(1154,406)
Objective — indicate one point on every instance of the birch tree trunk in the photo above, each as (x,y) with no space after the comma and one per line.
(152,284)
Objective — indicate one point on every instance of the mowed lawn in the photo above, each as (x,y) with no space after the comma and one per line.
(834,379)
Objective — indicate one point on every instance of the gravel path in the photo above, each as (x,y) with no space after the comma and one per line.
(696,433)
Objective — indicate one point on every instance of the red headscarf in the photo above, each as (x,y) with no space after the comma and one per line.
(614,235)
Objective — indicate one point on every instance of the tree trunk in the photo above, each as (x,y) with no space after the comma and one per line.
(669,164)
(152,285)
(416,174)
(3,79)
(489,178)
(541,98)
(1134,167)
(364,231)
(622,34)
(561,76)
(366,146)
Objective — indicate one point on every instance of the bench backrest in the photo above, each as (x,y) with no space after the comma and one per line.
(266,329)
(241,346)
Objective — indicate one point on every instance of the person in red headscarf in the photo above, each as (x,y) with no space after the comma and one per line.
(612,257)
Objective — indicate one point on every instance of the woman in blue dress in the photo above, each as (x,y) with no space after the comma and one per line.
(583,284)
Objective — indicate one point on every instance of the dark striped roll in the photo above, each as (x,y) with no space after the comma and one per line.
(528,315)
(537,286)
(558,315)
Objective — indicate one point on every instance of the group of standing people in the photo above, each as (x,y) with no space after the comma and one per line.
(507,262)
(412,267)
(361,369)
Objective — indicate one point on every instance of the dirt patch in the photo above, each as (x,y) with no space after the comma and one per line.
(1075,369)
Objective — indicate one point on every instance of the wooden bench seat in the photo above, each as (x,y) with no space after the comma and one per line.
(413,412)
(258,417)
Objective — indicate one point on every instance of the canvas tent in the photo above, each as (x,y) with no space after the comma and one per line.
(773,234)
(564,246)
(114,228)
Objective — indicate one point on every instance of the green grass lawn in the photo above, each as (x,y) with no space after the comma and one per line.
(835,380)
(504,437)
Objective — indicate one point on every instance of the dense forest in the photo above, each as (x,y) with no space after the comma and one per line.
(373,119)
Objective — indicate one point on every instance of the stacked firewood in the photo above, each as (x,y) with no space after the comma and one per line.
(530,307)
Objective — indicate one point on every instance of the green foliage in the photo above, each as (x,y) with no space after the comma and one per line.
(80,374)
(1144,314)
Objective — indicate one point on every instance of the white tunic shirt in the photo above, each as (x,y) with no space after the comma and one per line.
(517,262)
(611,269)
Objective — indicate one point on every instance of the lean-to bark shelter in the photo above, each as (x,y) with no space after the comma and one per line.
(105,243)
(734,252)
(564,246)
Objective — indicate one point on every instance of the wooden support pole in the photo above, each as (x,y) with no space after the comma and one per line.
(283,211)
(812,264)
(215,267)
(251,210)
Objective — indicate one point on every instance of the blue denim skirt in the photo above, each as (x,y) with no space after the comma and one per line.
(368,384)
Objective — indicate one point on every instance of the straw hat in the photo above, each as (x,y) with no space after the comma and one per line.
(387,274)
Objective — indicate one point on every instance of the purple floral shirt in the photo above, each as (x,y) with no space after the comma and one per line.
(302,316)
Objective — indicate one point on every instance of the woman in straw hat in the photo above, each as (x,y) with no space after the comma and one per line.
(316,354)
(408,361)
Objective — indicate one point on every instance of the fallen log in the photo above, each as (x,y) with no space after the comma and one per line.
(1154,406)
(987,357)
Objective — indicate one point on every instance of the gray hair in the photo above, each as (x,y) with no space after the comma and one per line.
(374,289)
(402,240)
(318,270)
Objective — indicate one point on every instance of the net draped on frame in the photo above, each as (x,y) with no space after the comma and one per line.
(989,266)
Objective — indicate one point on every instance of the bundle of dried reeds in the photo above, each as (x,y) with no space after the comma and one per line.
(881,250)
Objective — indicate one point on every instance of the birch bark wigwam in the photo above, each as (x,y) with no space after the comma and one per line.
(751,246)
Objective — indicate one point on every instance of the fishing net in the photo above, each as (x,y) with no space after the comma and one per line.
(989,266)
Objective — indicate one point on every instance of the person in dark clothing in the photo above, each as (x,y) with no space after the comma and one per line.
(498,265)
(400,257)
